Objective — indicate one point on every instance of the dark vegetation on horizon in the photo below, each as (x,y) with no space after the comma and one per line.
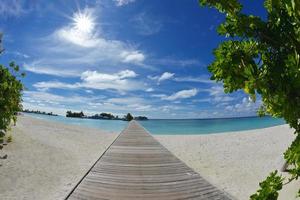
(75,114)
(104,116)
(38,112)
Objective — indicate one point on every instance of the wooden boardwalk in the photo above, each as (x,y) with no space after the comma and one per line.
(136,166)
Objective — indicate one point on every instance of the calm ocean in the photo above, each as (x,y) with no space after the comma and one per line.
(174,126)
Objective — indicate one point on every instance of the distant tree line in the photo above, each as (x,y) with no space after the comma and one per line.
(75,114)
(105,116)
(38,112)
(140,118)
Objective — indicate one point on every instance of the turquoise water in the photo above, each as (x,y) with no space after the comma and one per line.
(174,126)
(206,126)
(109,125)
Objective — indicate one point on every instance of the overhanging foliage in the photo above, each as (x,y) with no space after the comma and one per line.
(262,57)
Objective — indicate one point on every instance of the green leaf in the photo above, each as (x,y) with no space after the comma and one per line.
(261,56)
(269,188)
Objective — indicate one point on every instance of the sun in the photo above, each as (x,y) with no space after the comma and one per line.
(84,21)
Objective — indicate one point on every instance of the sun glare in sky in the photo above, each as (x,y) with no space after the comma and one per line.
(83,21)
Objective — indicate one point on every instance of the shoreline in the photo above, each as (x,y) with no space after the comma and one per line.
(35,116)
(66,124)
(235,161)
(47,159)
(220,133)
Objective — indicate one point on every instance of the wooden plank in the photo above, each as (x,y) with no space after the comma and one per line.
(136,166)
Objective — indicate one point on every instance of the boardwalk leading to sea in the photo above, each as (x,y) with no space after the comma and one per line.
(136,166)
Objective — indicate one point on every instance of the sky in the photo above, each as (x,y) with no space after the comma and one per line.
(144,57)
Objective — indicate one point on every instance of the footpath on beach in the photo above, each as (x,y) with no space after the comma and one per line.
(136,166)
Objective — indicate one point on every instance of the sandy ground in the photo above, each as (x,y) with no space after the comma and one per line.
(235,162)
(46,159)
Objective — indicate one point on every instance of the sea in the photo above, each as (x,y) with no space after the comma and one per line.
(173,126)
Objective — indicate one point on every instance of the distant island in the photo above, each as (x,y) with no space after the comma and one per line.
(75,114)
(104,116)
(38,112)
(140,118)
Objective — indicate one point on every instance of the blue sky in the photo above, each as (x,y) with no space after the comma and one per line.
(144,57)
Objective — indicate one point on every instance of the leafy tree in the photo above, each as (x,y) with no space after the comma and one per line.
(128,117)
(75,114)
(107,116)
(141,118)
(10,95)
(261,56)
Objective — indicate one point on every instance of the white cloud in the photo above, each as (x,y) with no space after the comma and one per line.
(177,62)
(125,100)
(153,77)
(49,102)
(94,76)
(131,103)
(183,94)
(35,67)
(223,98)
(121,81)
(149,90)
(89,91)
(123,2)
(218,95)
(144,108)
(216,91)
(11,8)
(18,54)
(45,85)
(229,108)
(245,106)
(76,47)
(163,77)
(132,57)
(193,79)
(201,100)
(168,75)
(168,108)
(159,95)
(46,97)
(59,104)
(146,24)
(82,31)
(74,36)
(45,108)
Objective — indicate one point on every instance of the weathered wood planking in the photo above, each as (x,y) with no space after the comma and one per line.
(136,166)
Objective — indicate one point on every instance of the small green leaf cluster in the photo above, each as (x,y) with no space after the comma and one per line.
(269,188)
(10,94)
(262,56)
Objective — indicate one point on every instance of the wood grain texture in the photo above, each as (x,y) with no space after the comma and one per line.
(136,166)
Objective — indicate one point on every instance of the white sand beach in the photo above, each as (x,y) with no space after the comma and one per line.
(235,161)
(47,159)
